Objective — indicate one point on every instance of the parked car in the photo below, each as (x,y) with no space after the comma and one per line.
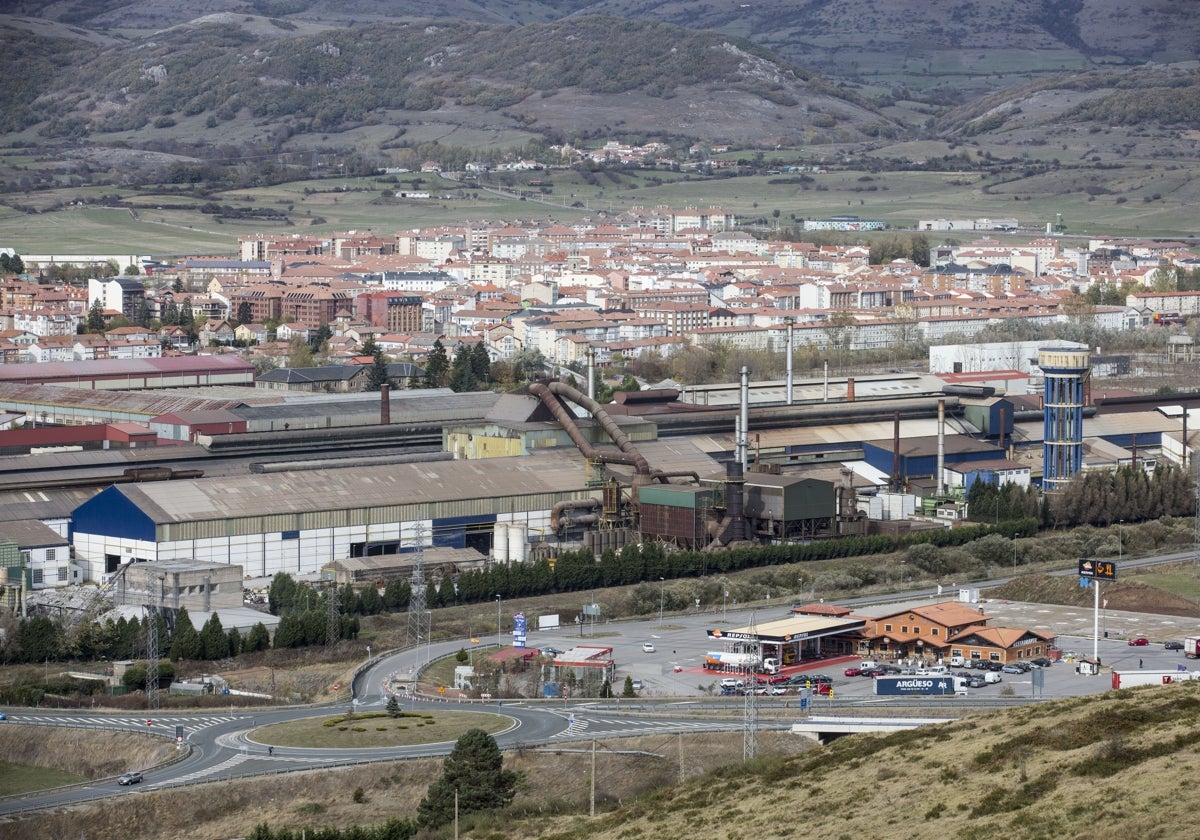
(1173,645)
(131,778)
(1011,669)
(994,666)
(803,680)
(551,651)
(1042,662)
(647,647)
(3,716)
(976,681)
(1139,641)
(853,672)
(637,685)
(731,683)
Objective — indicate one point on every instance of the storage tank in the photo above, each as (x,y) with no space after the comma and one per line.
(518,543)
(500,542)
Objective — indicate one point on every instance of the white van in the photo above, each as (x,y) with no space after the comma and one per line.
(991,677)
(933,671)
(867,664)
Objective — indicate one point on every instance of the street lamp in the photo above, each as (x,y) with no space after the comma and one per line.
(662,594)
(1120,540)
(429,639)
(499,637)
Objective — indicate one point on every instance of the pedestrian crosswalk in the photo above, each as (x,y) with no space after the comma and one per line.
(143,723)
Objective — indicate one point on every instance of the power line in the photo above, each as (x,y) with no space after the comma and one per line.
(420,620)
(750,722)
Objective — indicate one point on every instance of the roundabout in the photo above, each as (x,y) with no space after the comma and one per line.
(378,730)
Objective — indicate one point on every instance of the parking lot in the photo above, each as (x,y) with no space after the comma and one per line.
(668,658)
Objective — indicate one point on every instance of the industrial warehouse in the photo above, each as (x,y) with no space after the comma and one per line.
(521,476)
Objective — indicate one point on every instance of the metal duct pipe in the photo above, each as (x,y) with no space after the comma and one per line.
(585,519)
(574,504)
(850,389)
(745,403)
(385,404)
(826,399)
(260,467)
(941,452)
(629,456)
(659,475)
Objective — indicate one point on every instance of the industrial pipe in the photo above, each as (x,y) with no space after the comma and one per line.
(629,454)
(574,504)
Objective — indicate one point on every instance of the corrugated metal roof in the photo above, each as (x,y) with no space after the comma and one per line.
(363,487)
(30,533)
(840,434)
(148,403)
(810,390)
(87,369)
(42,504)
(406,406)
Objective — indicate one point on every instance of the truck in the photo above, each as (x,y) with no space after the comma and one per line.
(1132,679)
(1191,647)
(722,661)
(941,685)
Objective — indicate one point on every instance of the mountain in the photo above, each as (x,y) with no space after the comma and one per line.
(556,80)
(959,48)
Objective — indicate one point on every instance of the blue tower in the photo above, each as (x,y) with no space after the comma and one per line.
(1066,371)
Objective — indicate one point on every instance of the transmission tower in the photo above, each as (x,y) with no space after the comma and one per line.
(419,619)
(333,616)
(750,721)
(152,648)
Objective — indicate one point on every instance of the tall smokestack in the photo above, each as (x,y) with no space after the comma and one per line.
(826,361)
(791,328)
(941,452)
(591,372)
(745,459)
(1003,426)
(850,389)
(385,404)
(896,483)
(734,507)
(737,437)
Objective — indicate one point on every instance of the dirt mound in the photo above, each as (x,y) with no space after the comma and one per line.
(1125,597)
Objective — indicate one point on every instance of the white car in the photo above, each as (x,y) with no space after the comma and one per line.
(647,647)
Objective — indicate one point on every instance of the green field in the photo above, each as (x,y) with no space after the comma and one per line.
(21,778)
(1135,197)
(365,731)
